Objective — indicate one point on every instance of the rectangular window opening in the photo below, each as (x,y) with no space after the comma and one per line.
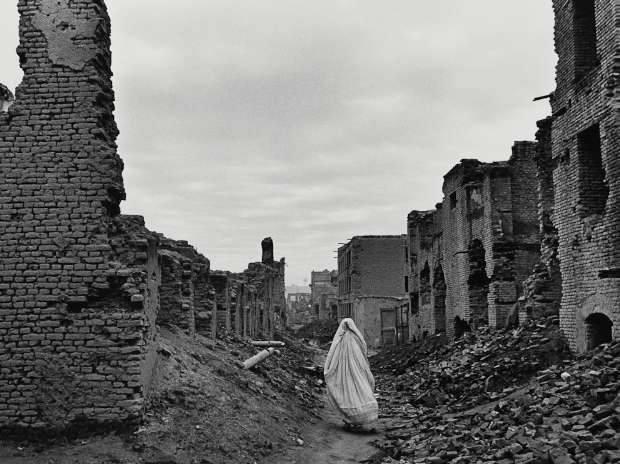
(593,188)
(584,37)
(453,200)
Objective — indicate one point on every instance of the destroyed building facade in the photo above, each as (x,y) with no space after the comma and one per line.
(78,295)
(469,257)
(82,287)
(586,169)
(370,283)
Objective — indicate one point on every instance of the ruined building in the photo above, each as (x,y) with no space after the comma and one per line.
(370,284)
(82,287)
(79,296)
(324,289)
(266,279)
(470,256)
(586,168)
(482,237)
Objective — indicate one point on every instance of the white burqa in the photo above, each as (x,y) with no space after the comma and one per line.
(350,384)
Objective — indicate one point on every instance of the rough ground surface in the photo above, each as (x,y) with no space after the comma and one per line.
(501,397)
(326,442)
(204,410)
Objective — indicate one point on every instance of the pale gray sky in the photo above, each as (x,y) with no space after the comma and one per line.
(314,121)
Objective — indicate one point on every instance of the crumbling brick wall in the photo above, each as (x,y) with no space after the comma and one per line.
(76,306)
(427,289)
(542,291)
(184,284)
(586,176)
(487,242)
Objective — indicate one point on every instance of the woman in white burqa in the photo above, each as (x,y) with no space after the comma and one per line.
(350,384)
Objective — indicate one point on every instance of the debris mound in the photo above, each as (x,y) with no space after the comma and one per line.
(516,397)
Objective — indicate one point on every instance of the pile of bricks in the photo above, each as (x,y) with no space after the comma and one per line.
(566,413)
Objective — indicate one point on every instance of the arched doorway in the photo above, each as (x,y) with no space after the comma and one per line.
(598,330)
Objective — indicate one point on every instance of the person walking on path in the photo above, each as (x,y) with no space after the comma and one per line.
(350,383)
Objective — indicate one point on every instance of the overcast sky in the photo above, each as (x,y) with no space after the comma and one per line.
(310,121)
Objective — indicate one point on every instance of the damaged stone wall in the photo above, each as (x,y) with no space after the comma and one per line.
(426,278)
(586,168)
(470,256)
(542,291)
(78,295)
(184,285)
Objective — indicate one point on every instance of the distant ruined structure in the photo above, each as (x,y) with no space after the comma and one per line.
(82,287)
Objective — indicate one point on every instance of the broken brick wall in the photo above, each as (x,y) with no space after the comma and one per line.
(586,160)
(427,288)
(76,318)
(184,284)
(490,238)
(463,222)
(516,238)
(542,292)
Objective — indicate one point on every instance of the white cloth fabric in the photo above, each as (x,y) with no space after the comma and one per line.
(350,384)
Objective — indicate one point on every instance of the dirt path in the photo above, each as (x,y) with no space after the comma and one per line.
(325,442)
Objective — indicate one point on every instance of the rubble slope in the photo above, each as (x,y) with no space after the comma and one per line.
(504,397)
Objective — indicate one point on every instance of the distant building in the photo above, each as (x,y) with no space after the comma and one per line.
(299,308)
(324,286)
(371,288)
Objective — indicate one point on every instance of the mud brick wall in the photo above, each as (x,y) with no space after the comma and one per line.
(176,292)
(380,262)
(542,291)
(462,217)
(490,239)
(586,175)
(427,287)
(76,302)
(516,243)
(184,286)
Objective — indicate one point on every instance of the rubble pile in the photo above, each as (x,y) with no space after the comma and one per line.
(322,331)
(204,404)
(568,412)
(295,370)
(477,368)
